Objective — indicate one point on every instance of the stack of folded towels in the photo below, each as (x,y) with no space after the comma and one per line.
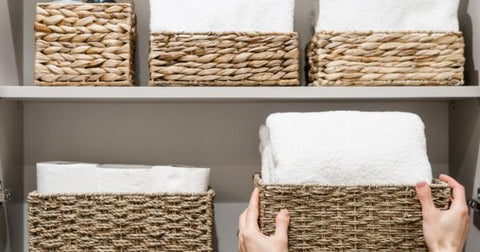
(344,148)
(66,177)
(391,15)
(221,16)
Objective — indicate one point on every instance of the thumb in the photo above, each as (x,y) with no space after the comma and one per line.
(424,194)
(281,224)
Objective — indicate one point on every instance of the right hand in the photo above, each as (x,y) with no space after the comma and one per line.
(444,231)
(250,239)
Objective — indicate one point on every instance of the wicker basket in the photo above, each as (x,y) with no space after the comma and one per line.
(121,222)
(386,59)
(84,44)
(327,218)
(224,59)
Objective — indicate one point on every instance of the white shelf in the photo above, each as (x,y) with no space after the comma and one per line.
(32,93)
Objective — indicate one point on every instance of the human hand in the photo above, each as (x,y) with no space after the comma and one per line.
(444,231)
(250,239)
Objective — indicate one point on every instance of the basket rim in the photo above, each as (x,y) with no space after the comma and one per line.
(257,179)
(366,32)
(127,83)
(209,193)
(251,33)
(80,3)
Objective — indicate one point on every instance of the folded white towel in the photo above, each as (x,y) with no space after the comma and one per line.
(180,179)
(344,148)
(221,15)
(388,15)
(66,177)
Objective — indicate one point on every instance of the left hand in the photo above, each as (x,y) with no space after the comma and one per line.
(250,239)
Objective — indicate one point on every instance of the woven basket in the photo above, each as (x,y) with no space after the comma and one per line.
(224,59)
(121,222)
(386,59)
(84,44)
(365,218)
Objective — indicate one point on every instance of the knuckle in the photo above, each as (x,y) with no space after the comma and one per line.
(240,239)
(422,193)
(248,235)
(281,218)
(463,210)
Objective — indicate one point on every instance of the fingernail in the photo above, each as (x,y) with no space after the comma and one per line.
(421,184)
(284,212)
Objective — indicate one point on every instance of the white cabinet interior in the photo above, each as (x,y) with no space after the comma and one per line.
(210,127)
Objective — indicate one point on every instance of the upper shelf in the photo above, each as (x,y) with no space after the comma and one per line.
(32,93)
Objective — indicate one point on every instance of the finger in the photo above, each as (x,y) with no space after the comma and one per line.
(458,190)
(424,194)
(241,221)
(252,211)
(281,224)
(241,245)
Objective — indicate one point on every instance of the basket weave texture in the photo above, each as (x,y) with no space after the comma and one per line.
(120,222)
(386,58)
(224,59)
(84,44)
(340,218)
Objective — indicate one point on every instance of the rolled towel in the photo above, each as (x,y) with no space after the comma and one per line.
(388,15)
(221,15)
(344,148)
(180,179)
(66,177)
(124,178)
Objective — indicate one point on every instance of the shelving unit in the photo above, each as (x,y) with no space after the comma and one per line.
(32,93)
(206,126)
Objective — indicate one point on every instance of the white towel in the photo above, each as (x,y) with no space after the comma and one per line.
(180,179)
(221,15)
(66,177)
(388,15)
(344,148)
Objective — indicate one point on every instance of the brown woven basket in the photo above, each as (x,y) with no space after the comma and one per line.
(224,59)
(120,222)
(386,58)
(84,44)
(365,218)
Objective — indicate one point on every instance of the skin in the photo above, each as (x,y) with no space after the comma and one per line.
(250,239)
(444,231)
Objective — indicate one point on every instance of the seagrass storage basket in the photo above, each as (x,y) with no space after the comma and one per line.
(120,222)
(386,58)
(224,59)
(343,218)
(84,44)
